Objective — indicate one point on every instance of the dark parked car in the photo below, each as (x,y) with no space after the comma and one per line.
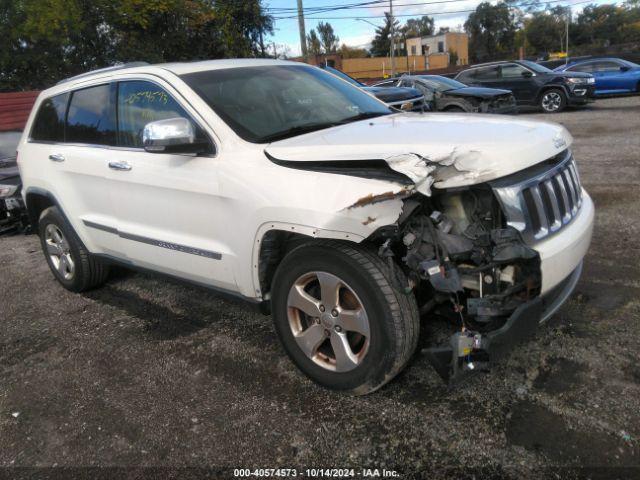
(12,211)
(408,99)
(612,75)
(533,84)
(446,94)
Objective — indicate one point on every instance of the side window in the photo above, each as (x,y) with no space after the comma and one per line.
(487,73)
(606,67)
(407,83)
(466,76)
(512,70)
(92,116)
(49,123)
(585,67)
(139,103)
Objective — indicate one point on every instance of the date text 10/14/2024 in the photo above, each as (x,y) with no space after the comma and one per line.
(316,473)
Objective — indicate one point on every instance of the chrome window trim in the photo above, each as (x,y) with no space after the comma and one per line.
(111,79)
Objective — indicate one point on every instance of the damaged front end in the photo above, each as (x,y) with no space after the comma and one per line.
(464,264)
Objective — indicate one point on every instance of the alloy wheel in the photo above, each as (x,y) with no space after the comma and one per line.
(551,101)
(59,252)
(328,321)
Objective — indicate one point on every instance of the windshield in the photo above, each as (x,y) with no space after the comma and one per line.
(268,103)
(628,63)
(536,67)
(441,84)
(343,76)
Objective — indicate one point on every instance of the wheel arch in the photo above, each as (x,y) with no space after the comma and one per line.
(275,239)
(36,201)
(454,104)
(546,88)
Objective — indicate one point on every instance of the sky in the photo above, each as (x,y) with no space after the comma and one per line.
(359,33)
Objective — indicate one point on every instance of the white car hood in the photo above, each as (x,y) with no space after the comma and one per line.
(445,150)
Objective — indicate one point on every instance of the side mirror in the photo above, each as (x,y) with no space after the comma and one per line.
(173,135)
(527,74)
(625,68)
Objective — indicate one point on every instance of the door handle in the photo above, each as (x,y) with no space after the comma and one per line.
(123,166)
(56,157)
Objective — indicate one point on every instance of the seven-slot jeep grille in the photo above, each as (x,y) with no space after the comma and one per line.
(542,204)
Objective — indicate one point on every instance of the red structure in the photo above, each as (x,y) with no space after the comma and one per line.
(15,108)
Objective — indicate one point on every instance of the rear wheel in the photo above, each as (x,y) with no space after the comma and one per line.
(553,101)
(340,318)
(69,261)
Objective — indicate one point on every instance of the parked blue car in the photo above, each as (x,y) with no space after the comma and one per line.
(613,75)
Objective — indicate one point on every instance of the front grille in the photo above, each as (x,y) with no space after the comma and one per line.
(541,205)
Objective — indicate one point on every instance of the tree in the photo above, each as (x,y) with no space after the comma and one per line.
(313,43)
(418,27)
(330,41)
(381,44)
(546,31)
(491,30)
(442,30)
(46,41)
(351,52)
(453,57)
(603,25)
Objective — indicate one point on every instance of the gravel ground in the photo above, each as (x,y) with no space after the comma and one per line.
(145,372)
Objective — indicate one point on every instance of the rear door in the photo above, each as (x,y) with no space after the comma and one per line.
(68,150)
(519,80)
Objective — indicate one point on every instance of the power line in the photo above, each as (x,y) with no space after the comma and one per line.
(416,14)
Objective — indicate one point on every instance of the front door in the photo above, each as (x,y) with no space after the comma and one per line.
(171,213)
(519,80)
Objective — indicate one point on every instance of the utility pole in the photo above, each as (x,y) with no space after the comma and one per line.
(303,31)
(566,59)
(393,47)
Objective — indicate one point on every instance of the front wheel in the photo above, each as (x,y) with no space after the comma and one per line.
(553,101)
(341,316)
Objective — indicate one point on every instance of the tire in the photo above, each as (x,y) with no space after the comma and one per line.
(553,100)
(70,263)
(376,353)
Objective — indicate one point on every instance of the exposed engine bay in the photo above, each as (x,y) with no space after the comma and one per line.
(464,264)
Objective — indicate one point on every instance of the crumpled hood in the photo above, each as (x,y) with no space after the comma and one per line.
(445,150)
(478,92)
(393,94)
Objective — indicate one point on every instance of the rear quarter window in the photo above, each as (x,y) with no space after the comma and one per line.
(49,123)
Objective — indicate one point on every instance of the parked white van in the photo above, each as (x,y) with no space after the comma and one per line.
(291,188)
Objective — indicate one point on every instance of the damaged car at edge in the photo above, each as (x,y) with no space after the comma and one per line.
(354,225)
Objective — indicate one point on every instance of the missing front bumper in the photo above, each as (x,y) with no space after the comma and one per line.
(452,363)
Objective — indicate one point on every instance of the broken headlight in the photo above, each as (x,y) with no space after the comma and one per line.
(8,190)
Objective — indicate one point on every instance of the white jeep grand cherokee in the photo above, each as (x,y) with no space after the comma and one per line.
(287,186)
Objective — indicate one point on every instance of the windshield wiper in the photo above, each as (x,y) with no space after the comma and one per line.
(297,130)
(362,116)
(312,127)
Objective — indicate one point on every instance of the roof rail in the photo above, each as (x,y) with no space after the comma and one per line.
(122,66)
